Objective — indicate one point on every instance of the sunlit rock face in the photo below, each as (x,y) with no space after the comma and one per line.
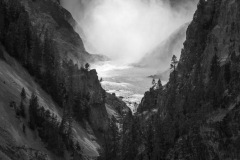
(213,31)
(161,56)
(125,30)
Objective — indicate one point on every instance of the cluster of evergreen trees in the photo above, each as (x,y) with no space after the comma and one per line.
(57,135)
(121,139)
(61,78)
(42,60)
(184,105)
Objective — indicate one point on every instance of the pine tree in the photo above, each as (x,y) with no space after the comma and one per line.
(22,106)
(33,107)
(87,66)
(173,66)
(23,94)
(160,86)
(153,82)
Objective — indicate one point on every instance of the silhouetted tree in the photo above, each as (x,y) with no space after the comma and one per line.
(160,84)
(87,66)
(153,82)
(33,106)
(173,66)
(22,106)
(23,94)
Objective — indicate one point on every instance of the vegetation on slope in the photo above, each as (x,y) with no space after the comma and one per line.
(195,116)
(76,90)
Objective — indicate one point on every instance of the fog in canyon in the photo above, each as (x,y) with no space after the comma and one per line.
(125,30)
(131,32)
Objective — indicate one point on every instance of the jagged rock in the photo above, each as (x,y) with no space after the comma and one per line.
(42,18)
(203,124)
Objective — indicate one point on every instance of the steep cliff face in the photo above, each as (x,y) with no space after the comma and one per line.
(47,41)
(149,100)
(49,16)
(162,54)
(39,39)
(17,143)
(199,107)
(115,106)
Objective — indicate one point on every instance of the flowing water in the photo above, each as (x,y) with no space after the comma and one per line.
(127,82)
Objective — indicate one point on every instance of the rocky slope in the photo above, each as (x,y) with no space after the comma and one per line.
(15,144)
(44,56)
(198,108)
(161,56)
(48,15)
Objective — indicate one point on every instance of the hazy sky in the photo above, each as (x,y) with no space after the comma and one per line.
(125,30)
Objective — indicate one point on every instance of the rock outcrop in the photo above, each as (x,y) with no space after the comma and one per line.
(161,56)
(198,108)
(39,39)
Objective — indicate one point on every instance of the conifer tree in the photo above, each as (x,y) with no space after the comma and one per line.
(87,66)
(33,111)
(160,86)
(153,82)
(173,66)
(22,107)
(23,94)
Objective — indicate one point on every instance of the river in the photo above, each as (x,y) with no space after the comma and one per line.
(128,82)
